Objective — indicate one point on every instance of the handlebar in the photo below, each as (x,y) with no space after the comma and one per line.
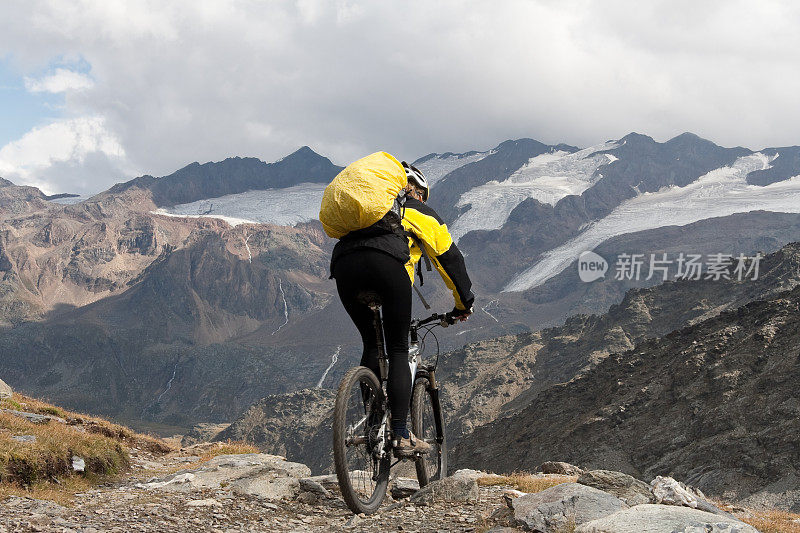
(444,320)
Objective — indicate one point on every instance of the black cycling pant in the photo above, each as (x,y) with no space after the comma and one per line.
(375,271)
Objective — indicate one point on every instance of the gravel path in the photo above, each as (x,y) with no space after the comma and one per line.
(124,507)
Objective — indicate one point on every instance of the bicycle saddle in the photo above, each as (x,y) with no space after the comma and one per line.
(369,298)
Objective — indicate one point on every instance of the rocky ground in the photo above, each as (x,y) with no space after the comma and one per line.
(133,504)
(259,492)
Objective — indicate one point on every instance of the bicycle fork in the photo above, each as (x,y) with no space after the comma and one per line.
(437,407)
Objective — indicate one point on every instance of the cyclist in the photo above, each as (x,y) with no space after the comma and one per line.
(381,259)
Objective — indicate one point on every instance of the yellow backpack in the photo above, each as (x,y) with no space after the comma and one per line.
(361,194)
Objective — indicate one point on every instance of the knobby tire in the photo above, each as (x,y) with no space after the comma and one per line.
(433,465)
(361,493)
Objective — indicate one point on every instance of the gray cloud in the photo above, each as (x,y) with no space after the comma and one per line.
(188,80)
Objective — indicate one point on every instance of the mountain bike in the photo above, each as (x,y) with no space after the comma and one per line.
(362,438)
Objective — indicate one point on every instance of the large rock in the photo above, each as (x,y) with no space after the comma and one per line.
(261,475)
(404,487)
(468,473)
(563,506)
(559,467)
(626,488)
(269,485)
(5,390)
(329,481)
(34,506)
(460,487)
(309,485)
(671,492)
(34,417)
(653,518)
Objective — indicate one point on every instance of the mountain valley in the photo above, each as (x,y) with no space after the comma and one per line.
(166,302)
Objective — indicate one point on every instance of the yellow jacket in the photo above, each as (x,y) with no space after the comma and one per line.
(427,229)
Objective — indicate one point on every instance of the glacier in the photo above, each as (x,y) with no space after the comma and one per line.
(721,192)
(285,207)
(291,205)
(440,166)
(547,178)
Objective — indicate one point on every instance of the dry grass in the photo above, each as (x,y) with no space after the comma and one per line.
(50,456)
(526,482)
(61,492)
(91,424)
(208,450)
(774,521)
(43,468)
(227,448)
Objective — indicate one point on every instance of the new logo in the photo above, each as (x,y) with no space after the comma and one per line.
(591,266)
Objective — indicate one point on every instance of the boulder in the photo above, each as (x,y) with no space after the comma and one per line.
(329,481)
(668,491)
(558,467)
(456,488)
(654,518)
(33,417)
(5,390)
(255,474)
(468,473)
(34,506)
(626,488)
(24,438)
(563,506)
(309,485)
(269,485)
(404,487)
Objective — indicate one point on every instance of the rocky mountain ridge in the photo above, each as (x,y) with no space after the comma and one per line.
(142,305)
(233,175)
(712,403)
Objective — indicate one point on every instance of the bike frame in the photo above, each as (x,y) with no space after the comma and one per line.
(362,430)
(417,370)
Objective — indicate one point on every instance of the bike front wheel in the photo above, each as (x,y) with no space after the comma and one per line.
(357,434)
(424,408)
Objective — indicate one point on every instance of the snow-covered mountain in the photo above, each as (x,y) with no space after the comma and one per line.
(534,223)
(548,178)
(719,193)
(523,211)
(548,203)
(299,203)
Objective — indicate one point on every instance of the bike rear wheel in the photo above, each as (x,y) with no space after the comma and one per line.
(432,465)
(357,419)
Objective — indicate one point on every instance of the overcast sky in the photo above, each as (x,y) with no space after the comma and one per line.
(94,92)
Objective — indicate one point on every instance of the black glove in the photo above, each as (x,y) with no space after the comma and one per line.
(461,314)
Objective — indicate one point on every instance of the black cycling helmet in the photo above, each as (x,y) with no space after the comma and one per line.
(414,174)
